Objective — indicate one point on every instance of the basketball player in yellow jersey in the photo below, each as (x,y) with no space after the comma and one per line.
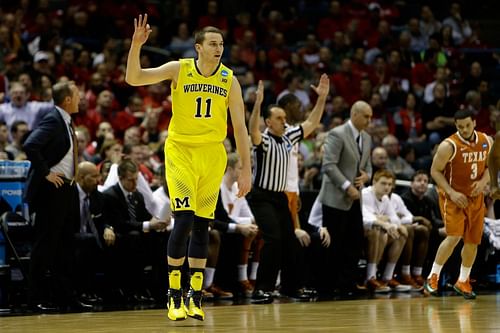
(202,91)
(460,169)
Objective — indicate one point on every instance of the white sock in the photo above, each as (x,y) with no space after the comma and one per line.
(436,269)
(405,269)
(242,272)
(464,273)
(209,277)
(253,270)
(278,279)
(416,271)
(371,271)
(389,271)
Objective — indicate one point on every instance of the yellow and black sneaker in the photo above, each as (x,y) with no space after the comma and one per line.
(193,305)
(176,309)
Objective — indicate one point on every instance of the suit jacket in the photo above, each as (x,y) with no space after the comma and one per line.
(45,147)
(116,210)
(342,161)
(96,205)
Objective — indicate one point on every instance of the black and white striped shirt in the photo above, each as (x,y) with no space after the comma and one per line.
(271,159)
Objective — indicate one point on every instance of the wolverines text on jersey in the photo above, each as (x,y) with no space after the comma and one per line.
(200,104)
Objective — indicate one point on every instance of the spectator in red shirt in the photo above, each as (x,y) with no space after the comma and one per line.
(408,121)
(331,23)
(346,82)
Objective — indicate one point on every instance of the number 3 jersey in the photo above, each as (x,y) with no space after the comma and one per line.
(468,162)
(200,104)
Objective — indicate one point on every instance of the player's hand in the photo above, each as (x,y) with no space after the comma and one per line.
(259,93)
(495,193)
(157,225)
(247,230)
(423,221)
(244,183)
(353,193)
(478,187)
(323,87)
(141,30)
(324,235)
(361,180)
(55,178)
(402,231)
(459,199)
(303,237)
(392,231)
(109,236)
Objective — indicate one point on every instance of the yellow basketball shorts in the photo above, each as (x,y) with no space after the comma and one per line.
(194,173)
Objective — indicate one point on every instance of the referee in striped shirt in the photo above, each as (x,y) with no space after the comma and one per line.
(268,200)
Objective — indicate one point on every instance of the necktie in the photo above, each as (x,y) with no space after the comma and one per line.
(359,144)
(90,221)
(75,149)
(131,208)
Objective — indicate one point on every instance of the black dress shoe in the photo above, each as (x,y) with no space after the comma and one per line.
(46,308)
(79,306)
(98,299)
(88,298)
(310,291)
(300,295)
(138,298)
(261,297)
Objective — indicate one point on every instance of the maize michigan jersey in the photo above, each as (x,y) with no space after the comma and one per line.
(199,104)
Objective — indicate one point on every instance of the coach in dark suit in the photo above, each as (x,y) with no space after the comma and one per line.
(52,195)
(347,167)
(94,234)
(133,226)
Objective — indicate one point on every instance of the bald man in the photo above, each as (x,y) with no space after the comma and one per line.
(347,166)
(93,233)
(379,159)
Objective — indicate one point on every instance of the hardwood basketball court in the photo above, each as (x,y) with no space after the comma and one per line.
(405,313)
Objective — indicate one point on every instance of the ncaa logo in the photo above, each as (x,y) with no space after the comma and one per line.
(224,73)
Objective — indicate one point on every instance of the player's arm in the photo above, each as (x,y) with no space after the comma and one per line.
(494,162)
(441,158)
(479,185)
(254,121)
(135,75)
(312,122)
(237,111)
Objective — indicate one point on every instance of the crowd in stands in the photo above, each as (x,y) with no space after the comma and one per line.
(414,68)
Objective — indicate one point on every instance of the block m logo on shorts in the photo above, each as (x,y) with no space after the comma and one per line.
(182,203)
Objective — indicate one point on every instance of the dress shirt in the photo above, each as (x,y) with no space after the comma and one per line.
(399,206)
(145,224)
(65,166)
(373,207)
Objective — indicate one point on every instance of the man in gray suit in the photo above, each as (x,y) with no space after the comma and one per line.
(347,166)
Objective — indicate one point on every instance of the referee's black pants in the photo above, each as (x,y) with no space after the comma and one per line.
(280,250)
(346,231)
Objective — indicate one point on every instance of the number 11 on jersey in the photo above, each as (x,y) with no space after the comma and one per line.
(199,105)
